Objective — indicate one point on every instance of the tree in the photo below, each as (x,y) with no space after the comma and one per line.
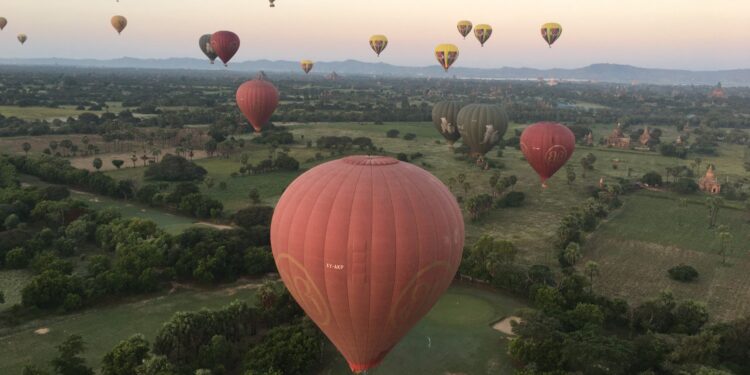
(2,297)
(97,163)
(725,243)
(124,358)
(393,133)
(134,159)
(174,168)
(118,163)
(254,196)
(570,174)
(592,271)
(155,153)
(69,360)
(713,204)
(652,179)
(209,182)
(572,253)
(26,146)
(467,187)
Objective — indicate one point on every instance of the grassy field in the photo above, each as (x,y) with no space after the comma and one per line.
(104,327)
(41,113)
(11,283)
(637,246)
(462,340)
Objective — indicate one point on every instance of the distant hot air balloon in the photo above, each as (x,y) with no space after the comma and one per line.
(445,117)
(3,22)
(446,55)
(272,5)
(22,38)
(551,32)
(482,126)
(257,100)
(378,43)
(464,28)
(225,44)
(366,245)
(205,44)
(547,146)
(482,32)
(119,23)
(306,65)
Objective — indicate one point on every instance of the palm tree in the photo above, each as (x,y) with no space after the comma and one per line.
(572,253)
(53,146)
(155,153)
(144,157)
(26,146)
(134,159)
(592,270)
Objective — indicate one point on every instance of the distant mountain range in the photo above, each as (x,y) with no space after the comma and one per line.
(598,72)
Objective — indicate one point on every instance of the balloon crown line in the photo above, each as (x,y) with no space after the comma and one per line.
(371,160)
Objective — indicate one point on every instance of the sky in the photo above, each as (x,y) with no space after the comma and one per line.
(680,34)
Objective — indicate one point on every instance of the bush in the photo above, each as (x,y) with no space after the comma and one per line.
(402,156)
(512,199)
(250,217)
(683,273)
(410,136)
(685,186)
(175,168)
(393,133)
(652,179)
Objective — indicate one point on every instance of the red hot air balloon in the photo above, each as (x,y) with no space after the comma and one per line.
(257,100)
(366,245)
(547,146)
(225,44)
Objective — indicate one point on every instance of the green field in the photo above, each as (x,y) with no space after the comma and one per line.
(462,340)
(11,283)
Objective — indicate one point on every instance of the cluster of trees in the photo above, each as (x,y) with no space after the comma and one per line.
(175,168)
(343,143)
(498,197)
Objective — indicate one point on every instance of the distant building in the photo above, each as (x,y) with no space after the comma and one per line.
(718,92)
(589,140)
(332,77)
(709,183)
(645,139)
(680,141)
(618,139)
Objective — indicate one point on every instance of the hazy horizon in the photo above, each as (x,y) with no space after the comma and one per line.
(670,34)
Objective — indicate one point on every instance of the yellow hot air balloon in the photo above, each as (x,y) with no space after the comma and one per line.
(550,32)
(483,32)
(446,55)
(22,38)
(378,43)
(3,22)
(306,65)
(464,28)
(119,23)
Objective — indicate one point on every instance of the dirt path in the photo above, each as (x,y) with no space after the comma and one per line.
(216,226)
(504,325)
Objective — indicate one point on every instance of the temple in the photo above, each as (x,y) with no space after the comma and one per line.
(646,139)
(709,183)
(618,139)
(718,92)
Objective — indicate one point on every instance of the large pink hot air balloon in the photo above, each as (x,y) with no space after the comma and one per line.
(367,245)
(225,44)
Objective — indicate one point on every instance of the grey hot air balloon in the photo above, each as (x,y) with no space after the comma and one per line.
(205,44)
(444,117)
(482,126)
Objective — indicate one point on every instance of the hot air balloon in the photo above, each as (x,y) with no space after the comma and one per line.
(22,38)
(205,44)
(482,126)
(3,22)
(551,32)
(272,5)
(225,44)
(119,23)
(444,117)
(482,32)
(378,43)
(257,100)
(464,28)
(547,146)
(446,55)
(366,245)
(306,65)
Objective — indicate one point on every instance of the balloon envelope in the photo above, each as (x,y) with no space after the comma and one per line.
(225,44)
(446,55)
(547,146)
(482,126)
(3,22)
(257,99)
(119,23)
(366,246)
(444,117)
(205,45)
(22,38)
(306,65)
(378,43)
(551,32)
(464,28)
(483,32)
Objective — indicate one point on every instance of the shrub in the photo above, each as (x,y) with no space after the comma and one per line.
(683,273)
(393,133)
(410,136)
(512,199)
(402,156)
(652,179)
(175,168)
(685,186)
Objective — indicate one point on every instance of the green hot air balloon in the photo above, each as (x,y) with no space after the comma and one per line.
(205,44)
(482,126)
(444,116)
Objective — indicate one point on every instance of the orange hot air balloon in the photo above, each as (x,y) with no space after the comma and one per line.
(547,146)
(119,23)
(366,245)
(446,55)
(225,44)
(257,100)
(306,65)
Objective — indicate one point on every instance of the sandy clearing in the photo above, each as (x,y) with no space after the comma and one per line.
(504,325)
(216,226)
(42,331)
